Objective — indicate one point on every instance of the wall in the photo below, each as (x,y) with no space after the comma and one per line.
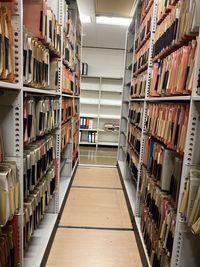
(104,62)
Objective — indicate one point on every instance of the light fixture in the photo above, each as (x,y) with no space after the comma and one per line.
(113,20)
(85,19)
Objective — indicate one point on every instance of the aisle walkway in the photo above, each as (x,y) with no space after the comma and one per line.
(95,228)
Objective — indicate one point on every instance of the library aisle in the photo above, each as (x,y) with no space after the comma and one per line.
(95,229)
(98,155)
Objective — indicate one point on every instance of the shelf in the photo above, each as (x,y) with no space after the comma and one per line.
(117,117)
(88,130)
(111,91)
(101,77)
(12,86)
(63,187)
(66,95)
(87,143)
(170,98)
(92,90)
(34,255)
(107,144)
(89,101)
(110,102)
(137,99)
(89,115)
(106,131)
(40,91)
(196,98)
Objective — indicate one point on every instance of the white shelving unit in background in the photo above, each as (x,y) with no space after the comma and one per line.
(100,101)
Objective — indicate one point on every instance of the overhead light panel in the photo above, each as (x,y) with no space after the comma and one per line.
(85,19)
(120,21)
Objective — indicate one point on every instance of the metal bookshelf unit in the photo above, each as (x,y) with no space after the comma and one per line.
(184,251)
(12,97)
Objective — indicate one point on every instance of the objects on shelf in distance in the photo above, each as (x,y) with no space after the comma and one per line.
(138,85)
(157,223)
(174,74)
(84,68)
(111,127)
(6,47)
(190,202)
(136,113)
(168,124)
(86,123)
(41,116)
(92,137)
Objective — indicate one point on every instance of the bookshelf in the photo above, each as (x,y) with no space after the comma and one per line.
(21,101)
(140,91)
(100,102)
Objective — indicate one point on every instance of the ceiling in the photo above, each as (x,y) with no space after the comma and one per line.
(107,36)
(121,8)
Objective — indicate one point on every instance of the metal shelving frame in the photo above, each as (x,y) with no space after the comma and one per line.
(185,248)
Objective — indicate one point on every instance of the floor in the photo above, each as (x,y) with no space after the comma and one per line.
(95,228)
(98,156)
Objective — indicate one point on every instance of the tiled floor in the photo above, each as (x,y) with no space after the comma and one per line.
(98,156)
(95,228)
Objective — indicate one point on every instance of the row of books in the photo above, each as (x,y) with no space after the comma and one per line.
(190,201)
(67,109)
(134,138)
(177,26)
(7,71)
(43,24)
(145,6)
(68,52)
(36,204)
(133,163)
(9,192)
(86,123)
(67,81)
(65,135)
(144,30)
(41,115)
(38,158)
(140,60)
(157,222)
(138,85)
(136,113)
(36,62)
(174,74)
(168,123)
(164,166)
(9,244)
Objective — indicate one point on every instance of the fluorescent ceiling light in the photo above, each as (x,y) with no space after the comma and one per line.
(85,19)
(113,20)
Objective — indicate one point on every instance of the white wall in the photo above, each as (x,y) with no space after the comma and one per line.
(104,62)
